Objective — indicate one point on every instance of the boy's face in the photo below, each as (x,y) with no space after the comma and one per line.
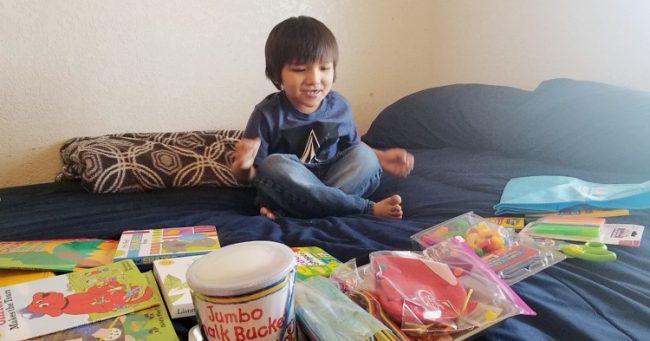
(307,84)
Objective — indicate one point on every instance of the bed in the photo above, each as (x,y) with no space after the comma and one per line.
(468,141)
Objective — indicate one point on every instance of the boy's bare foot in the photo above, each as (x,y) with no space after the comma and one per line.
(267,213)
(389,207)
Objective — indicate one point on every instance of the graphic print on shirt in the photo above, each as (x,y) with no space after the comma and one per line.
(312,144)
(311,148)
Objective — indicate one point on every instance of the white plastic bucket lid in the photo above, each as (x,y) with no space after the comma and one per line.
(240,268)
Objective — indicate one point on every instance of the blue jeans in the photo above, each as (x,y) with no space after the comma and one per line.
(333,188)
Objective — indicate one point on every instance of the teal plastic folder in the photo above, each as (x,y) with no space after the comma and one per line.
(553,193)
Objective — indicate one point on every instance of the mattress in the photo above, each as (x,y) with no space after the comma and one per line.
(574,299)
(468,141)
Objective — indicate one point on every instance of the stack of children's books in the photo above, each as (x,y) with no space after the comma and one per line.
(145,246)
(107,301)
(170,251)
(100,291)
(22,261)
(170,274)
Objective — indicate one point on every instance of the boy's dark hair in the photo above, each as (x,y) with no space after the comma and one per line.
(298,40)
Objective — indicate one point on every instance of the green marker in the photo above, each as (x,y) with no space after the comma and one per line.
(566,230)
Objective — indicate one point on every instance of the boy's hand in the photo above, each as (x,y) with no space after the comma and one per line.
(396,161)
(245,152)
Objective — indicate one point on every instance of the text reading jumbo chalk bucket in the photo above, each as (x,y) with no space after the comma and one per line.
(245,292)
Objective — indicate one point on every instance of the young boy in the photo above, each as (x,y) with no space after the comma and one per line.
(300,146)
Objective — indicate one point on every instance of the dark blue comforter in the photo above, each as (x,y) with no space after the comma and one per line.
(575,299)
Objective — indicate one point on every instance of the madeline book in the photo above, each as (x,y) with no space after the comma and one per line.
(151,324)
(78,298)
(57,255)
(313,261)
(145,246)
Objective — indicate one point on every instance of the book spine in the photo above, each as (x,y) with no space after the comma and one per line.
(136,260)
(584,213)
(182,311)
(150,259)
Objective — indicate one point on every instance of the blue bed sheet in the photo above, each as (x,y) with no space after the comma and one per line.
(575,300)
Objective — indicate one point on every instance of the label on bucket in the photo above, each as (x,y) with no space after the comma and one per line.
(247,301)
(264,315)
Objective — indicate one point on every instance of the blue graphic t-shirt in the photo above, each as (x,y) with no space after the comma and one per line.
(314,137)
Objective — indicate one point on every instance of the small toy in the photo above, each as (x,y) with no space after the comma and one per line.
(591,251)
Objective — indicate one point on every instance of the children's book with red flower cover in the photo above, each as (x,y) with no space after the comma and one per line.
(78,298)
(57,255)
(151,324)
(145,246)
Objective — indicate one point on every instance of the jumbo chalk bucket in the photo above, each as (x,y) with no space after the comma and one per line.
(245,291)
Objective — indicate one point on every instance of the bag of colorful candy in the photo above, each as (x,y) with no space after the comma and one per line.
(482,235)
(512,257)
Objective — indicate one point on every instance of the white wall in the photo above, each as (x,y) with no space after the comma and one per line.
(91,67)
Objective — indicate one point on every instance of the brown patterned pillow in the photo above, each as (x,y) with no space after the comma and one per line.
(134,162)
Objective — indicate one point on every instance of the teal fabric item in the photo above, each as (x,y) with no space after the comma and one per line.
(553,193)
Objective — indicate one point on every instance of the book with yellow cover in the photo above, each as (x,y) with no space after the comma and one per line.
(15,276)
(313,261)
